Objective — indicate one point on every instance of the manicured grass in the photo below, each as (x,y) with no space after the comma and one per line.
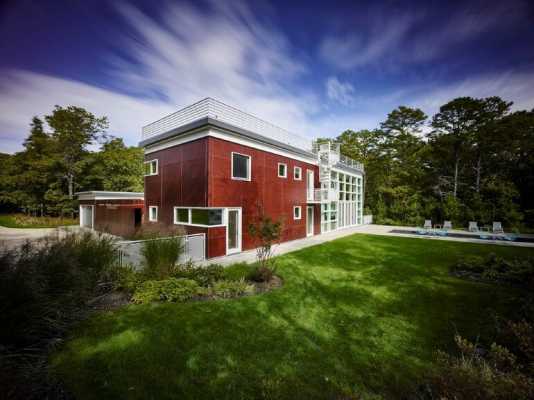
(360,315)
(24,221)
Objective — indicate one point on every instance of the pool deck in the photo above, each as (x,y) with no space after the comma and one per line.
(382,230)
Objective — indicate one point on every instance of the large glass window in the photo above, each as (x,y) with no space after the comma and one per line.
(241,164)
(198,216)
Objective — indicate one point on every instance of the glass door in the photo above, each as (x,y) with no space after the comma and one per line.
(309,221)
(233,231)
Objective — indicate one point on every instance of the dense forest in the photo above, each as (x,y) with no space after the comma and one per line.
(472,161)
(57,161)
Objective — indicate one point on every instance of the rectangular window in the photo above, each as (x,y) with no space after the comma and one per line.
(153,213)
(297,212)
(241,166)
(181,215)
(282,170)
(297,173)
(198,216)
(151,167)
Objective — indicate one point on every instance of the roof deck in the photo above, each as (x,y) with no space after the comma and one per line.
(213,110)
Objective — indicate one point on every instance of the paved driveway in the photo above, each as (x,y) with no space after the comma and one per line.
(13,237)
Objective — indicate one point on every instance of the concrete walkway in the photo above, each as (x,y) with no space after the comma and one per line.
(383,230)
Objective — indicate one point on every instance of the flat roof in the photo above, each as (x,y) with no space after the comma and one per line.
(108,195)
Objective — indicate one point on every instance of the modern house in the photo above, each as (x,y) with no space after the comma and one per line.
(210,168)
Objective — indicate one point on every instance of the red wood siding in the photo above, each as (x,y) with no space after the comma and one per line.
(114,216)
(277,195)
(181,179)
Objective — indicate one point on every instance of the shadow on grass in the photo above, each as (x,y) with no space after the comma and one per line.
(358,315)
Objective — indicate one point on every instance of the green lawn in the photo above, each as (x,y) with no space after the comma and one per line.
(362,314)
(25,221)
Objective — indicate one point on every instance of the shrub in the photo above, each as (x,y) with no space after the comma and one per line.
(126,278)
(237,271)
(170,290)
(266,232)
(228,289)
(203,275)
(260,274)
(44,288)
(479,374)
(160,256)
(519,271)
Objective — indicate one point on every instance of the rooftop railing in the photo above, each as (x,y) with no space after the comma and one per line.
(214,109)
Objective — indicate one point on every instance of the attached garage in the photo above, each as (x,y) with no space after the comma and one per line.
(118,213)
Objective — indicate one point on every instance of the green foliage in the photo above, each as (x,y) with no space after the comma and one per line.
(476,374)
(237,271)
(260,274)
(228,289)
(28,221)
(126,278)
(44,289)
(203,275)
(266,232)
(168,290)
(477,164)
(357,316)
(160,256)
(41,179)
(518,271)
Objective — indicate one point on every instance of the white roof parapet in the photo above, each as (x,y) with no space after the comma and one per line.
(210,108)
(106,195)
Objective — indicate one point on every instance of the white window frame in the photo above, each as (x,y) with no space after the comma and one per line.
(249,167)
(299,169)
(150,208)
(157,167)
(278,170)
(295,208)
(189,216)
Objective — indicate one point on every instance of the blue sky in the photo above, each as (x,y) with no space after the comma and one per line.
(315,69)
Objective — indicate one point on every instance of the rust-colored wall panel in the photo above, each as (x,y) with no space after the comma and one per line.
(181,179)
(276,195)
(115,216)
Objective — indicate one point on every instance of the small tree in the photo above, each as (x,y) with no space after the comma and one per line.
(265,232)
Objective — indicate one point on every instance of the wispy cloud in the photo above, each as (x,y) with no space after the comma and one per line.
(342,93)
(409,38)
(224,53)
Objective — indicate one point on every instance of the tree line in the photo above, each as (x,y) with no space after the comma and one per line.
(472,161)
(57,161)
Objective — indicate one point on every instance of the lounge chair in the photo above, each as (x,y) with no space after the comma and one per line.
(497,227)
(473,227)
(428,224)
(447,225)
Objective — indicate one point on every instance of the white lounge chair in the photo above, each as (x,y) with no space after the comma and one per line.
(447,225)
(497,227)
(473,227)
(428,224)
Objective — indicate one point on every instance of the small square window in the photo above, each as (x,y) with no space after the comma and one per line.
(181,215)
(282,170)
(241,167)
(151,167)
(297,173)
(153,213)
(296,212)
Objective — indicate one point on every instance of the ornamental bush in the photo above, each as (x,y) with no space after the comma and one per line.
(203,275)
(229,289)
(168,290)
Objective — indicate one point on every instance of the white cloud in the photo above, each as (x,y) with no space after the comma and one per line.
(343,93)
(226,54)
(388,39)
